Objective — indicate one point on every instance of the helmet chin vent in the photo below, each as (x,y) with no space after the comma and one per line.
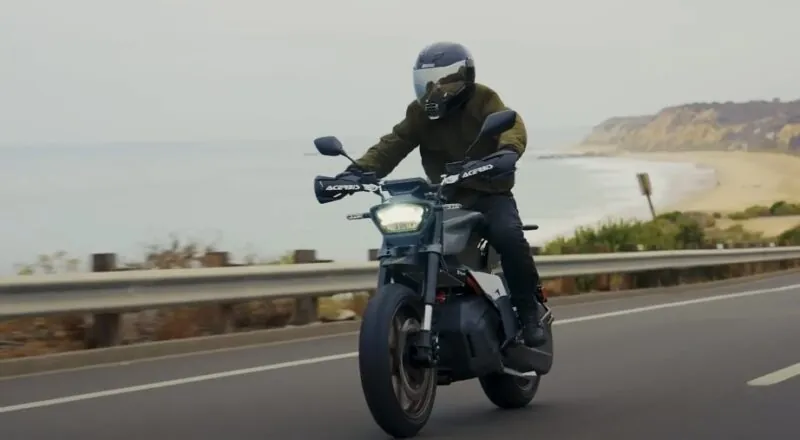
(432,110)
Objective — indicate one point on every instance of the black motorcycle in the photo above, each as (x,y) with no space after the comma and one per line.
(439,315)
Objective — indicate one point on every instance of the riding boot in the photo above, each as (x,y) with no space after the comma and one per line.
(533,332)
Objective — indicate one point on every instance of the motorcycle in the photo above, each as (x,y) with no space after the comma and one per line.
(439,314)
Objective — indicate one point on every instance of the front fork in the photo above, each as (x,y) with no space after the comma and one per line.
(426,343)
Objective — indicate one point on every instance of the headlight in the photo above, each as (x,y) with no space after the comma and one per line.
(399,217)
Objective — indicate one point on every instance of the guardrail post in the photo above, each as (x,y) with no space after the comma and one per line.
(372,255)
(216,259)
(560,286)
(647,278)
(737,270)
(599,282)
(623,280)
(223,322)
(757,267)
(305,308)
(105,327)
(708,273)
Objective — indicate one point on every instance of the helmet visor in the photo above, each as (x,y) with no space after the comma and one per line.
(426,80)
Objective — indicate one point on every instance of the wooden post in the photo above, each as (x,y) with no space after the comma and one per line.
(105,327)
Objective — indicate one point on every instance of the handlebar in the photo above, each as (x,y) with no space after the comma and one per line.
(329,189)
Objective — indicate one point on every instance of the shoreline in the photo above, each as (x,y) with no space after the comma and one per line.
(622,201)
(743,179)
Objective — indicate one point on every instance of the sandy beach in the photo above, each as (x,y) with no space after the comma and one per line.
(743,179)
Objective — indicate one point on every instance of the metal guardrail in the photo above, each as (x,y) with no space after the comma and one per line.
(113,292)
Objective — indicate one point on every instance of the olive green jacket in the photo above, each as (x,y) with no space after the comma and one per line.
(446,140)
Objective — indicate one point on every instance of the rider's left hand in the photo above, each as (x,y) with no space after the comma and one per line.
(504,160)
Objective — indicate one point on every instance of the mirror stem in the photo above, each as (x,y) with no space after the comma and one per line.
(466,153)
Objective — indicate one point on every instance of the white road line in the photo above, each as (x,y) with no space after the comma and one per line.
(670,305)
(172,383)
(318,360)
(776,377)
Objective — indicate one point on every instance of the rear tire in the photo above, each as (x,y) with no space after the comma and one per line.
(512,392)
(509,392)
(399,396)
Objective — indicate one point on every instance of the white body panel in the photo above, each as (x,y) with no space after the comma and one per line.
(492,285)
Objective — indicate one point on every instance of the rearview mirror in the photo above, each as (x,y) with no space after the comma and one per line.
(498,122)
(329,146)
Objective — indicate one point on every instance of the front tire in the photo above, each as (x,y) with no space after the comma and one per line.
(399,396)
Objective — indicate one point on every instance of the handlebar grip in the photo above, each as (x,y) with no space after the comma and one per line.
(329,189)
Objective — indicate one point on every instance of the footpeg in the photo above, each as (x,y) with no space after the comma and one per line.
(527,374)
(520,357)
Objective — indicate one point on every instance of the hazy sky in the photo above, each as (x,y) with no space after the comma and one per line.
(140,70)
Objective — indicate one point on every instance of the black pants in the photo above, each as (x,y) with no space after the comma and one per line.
(504,232)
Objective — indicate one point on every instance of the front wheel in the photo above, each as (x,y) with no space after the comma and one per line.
(399,395)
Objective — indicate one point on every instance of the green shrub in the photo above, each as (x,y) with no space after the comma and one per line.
(778,208)
(672,230)
(784,208)
(790,237)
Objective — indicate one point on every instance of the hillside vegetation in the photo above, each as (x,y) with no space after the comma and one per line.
(672,230)
(758,125)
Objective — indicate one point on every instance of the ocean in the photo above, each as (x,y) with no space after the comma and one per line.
(257,197)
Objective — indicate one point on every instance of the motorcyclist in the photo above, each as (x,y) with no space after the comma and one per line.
(442,121)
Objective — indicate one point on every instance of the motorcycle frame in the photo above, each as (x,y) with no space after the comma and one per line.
(417,260)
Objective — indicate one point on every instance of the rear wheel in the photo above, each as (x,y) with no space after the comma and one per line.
(399,396)
(509,392)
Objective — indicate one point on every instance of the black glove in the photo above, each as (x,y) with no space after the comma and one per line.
(357,174)
(505,158)
(349,176)
(351,172)
(504,161)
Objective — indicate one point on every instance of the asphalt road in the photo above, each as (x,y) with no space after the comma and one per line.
(633,368)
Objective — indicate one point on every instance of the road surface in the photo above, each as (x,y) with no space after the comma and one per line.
(652,367)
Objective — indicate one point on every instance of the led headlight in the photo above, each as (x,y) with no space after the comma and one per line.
(399,217)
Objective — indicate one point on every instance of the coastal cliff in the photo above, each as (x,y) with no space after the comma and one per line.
(754,125)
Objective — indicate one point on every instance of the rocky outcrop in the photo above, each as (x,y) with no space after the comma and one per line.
(754,125)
